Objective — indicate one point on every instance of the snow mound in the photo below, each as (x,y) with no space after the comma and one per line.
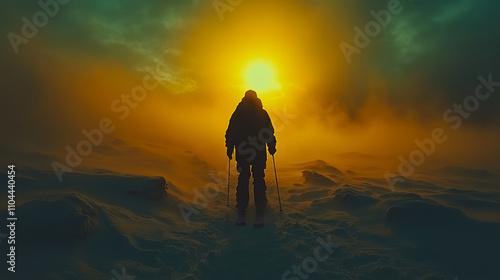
(423,213)
(347,196)
(315,178)
(156,189)
(468,172)
(322,166)
(61,218)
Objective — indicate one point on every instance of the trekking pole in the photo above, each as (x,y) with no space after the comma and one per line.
(228,181)
(277,188)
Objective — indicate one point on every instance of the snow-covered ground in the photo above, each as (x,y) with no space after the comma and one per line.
(336,224)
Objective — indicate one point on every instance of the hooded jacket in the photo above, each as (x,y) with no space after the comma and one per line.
(250,129)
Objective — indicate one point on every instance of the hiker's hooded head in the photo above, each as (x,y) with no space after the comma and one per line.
(251,98)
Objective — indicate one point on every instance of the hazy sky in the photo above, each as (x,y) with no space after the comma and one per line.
(396,87)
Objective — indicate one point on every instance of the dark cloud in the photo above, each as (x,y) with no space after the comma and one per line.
(431,55)
(136,34)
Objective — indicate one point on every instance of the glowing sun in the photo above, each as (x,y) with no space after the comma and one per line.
(261,75)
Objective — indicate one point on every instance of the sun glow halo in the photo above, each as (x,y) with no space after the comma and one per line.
(261,75)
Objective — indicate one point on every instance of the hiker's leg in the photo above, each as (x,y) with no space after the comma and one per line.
(259,189)
(242,195)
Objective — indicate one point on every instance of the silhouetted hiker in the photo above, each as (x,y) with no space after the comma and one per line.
(250,129)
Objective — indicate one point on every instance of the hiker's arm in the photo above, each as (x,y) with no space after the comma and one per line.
(230,137)
(272,143)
